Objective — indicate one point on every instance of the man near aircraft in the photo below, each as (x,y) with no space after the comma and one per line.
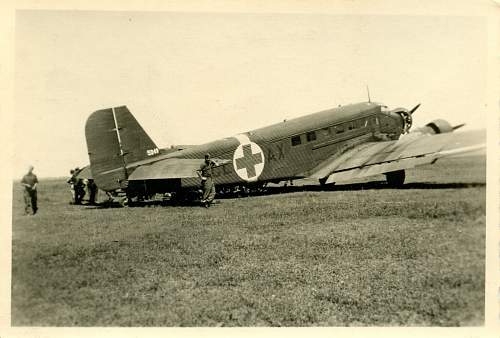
(71,181)
(92,190)
(77,186)
(207,183)
(29,182)
(79,190)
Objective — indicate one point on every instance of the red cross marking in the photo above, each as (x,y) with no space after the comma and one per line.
(249,160)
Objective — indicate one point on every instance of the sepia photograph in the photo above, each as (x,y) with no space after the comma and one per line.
(202,168)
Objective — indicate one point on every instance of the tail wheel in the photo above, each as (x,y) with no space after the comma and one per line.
(395,179)
(124,202)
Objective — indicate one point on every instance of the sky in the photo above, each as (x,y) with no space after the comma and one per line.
(190,78)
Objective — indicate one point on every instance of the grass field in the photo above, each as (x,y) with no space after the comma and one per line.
(360,254)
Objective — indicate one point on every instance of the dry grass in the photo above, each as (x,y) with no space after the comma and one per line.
(366,255)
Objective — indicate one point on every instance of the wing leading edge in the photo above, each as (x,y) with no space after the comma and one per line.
(409,151)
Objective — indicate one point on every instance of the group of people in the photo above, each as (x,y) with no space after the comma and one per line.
(78,187)
(29,183)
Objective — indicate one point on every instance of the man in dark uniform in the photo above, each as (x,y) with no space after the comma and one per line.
(29,182)
(79,190)
(77,186)
(207,182)
(92,189)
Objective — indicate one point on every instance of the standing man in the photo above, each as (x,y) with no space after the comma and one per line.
(79,189)
(29,182)
(92,188)
(72,181)
(77,186)
(207,183)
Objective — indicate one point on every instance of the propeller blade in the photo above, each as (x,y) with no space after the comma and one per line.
(414,108)
(458,126)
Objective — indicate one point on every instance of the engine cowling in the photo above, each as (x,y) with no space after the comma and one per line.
(405,116)
(438,126)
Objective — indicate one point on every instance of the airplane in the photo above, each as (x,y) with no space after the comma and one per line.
(334,145)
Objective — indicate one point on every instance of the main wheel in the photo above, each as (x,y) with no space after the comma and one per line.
(324,185)
(396,178)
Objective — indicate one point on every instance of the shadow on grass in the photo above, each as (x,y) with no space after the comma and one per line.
(375,185)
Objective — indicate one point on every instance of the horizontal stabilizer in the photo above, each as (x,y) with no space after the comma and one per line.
(171,168)
(85,173)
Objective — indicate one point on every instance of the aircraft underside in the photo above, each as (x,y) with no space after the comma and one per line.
(157,191)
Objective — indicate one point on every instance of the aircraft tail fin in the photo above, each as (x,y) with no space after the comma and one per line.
(115,139)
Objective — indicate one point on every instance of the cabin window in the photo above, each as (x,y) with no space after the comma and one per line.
(361,123)
(351,125)
(339,129)
(311,136)
(296,140)
(325,132)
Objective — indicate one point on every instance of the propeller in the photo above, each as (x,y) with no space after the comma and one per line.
(406,116)
(408,119)
(458,126)
(414,108)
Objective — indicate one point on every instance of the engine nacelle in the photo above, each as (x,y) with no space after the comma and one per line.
(406,117)
(395,122)
(438,126)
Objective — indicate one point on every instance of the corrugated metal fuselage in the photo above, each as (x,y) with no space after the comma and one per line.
(289,149)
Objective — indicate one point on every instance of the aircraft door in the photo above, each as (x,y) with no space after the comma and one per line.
(301,154)
(325,144)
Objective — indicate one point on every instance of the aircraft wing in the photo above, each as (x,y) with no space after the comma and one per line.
(170,168)
(409,151)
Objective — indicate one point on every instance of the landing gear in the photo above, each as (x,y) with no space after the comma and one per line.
(124,202)
(324,185)
(395,179)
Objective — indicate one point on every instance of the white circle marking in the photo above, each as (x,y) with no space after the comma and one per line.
(248,159)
